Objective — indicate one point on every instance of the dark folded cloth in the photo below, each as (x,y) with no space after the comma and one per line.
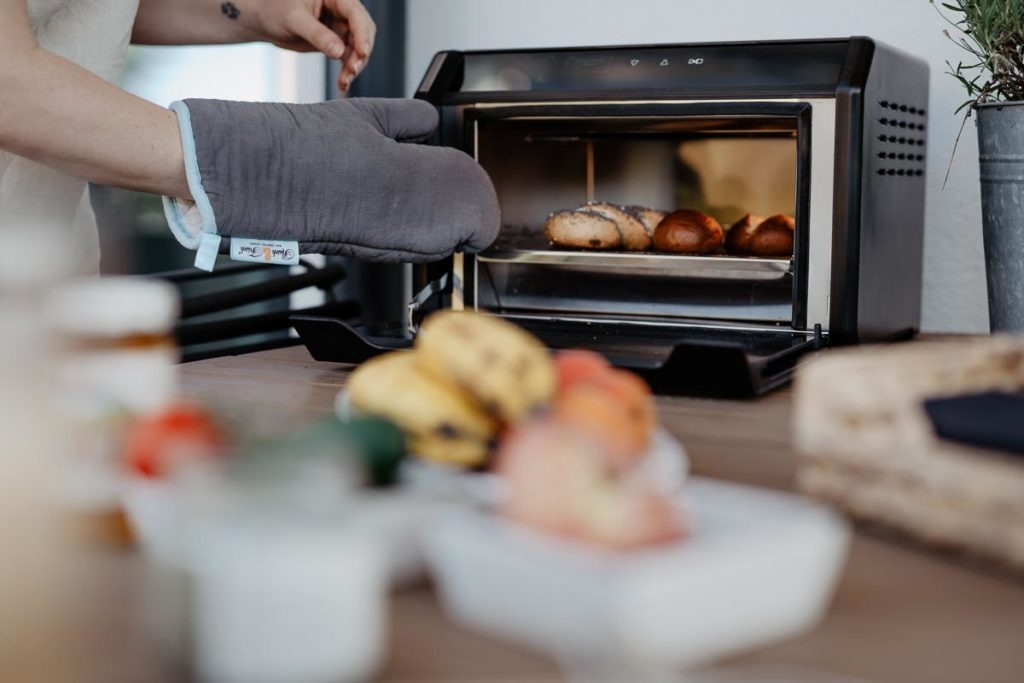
(989,420)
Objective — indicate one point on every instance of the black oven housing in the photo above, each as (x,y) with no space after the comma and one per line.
(880,99)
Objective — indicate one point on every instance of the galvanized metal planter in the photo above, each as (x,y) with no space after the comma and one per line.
(1001,152)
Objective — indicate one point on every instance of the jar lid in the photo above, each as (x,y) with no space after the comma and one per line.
(113,307)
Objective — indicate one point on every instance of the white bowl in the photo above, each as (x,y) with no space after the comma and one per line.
(760,566)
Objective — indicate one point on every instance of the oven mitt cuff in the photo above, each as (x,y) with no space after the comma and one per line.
(344,178)
(188,220)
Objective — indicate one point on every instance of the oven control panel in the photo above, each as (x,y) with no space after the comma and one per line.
(803,65)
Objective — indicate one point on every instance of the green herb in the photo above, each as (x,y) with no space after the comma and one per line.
(992,33)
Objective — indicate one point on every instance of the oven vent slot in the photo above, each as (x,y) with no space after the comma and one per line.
(901,156)
(902,108)
(916,172)
(902,140)
(902,123)
(900,134)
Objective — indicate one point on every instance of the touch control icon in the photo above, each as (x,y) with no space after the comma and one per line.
(634,62)
(663,62)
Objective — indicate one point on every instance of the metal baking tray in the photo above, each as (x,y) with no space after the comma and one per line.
(712,267)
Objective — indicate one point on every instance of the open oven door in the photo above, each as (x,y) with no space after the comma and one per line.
(719,363)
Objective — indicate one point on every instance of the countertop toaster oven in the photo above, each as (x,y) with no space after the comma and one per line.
(827,135)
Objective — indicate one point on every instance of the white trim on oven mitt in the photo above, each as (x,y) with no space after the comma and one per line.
(192,222)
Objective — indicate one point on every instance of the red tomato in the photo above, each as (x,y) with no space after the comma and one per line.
(156,442)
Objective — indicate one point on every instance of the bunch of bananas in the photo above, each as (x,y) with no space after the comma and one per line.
(468,377)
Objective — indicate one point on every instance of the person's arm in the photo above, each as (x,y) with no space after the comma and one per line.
(345,177)
(61,115)
(340,29)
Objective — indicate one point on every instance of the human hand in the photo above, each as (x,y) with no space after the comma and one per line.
(340,29)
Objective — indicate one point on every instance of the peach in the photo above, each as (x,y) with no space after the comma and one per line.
(616,407)
(633,517)
(557,480)
(548,469)
(578,365)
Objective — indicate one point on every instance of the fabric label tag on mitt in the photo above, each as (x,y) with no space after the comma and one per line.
(206,254)
(265,251)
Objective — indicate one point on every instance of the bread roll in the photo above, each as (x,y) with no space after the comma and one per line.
(440,419)
(635,236)
(583,229)
(738,236)
(689,232)
(756,236)
(506,370)
(648,216)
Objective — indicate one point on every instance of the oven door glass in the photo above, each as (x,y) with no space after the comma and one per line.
(723,164)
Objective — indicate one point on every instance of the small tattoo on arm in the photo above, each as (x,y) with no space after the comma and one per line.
(230,10)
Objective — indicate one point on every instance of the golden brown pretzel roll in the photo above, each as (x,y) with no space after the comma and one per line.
(689,232)
(756,236)
(634,235)
(737,239)
(582,230)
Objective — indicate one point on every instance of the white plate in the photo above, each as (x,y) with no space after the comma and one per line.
(760,566)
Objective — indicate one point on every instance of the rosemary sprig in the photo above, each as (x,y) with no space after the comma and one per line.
(992,33)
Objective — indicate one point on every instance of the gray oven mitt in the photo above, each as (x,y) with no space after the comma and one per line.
(344,177)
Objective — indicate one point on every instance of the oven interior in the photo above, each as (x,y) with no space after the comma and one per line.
(722,165)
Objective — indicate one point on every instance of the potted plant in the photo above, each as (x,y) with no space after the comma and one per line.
(992,33)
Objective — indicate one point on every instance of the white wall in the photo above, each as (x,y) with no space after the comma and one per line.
(954,277)
(251,72)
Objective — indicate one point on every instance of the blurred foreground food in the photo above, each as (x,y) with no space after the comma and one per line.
(155,443)
(443,423)
(570,427)
(468,377)
(562,480)
(471,377)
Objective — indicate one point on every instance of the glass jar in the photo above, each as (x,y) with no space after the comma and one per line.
(117,362)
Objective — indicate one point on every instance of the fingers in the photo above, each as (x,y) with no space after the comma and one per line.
(345,76)
(360,24)
(362,33)
(399,119)
(310,29)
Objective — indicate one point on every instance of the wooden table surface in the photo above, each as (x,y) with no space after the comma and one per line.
(900,615)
